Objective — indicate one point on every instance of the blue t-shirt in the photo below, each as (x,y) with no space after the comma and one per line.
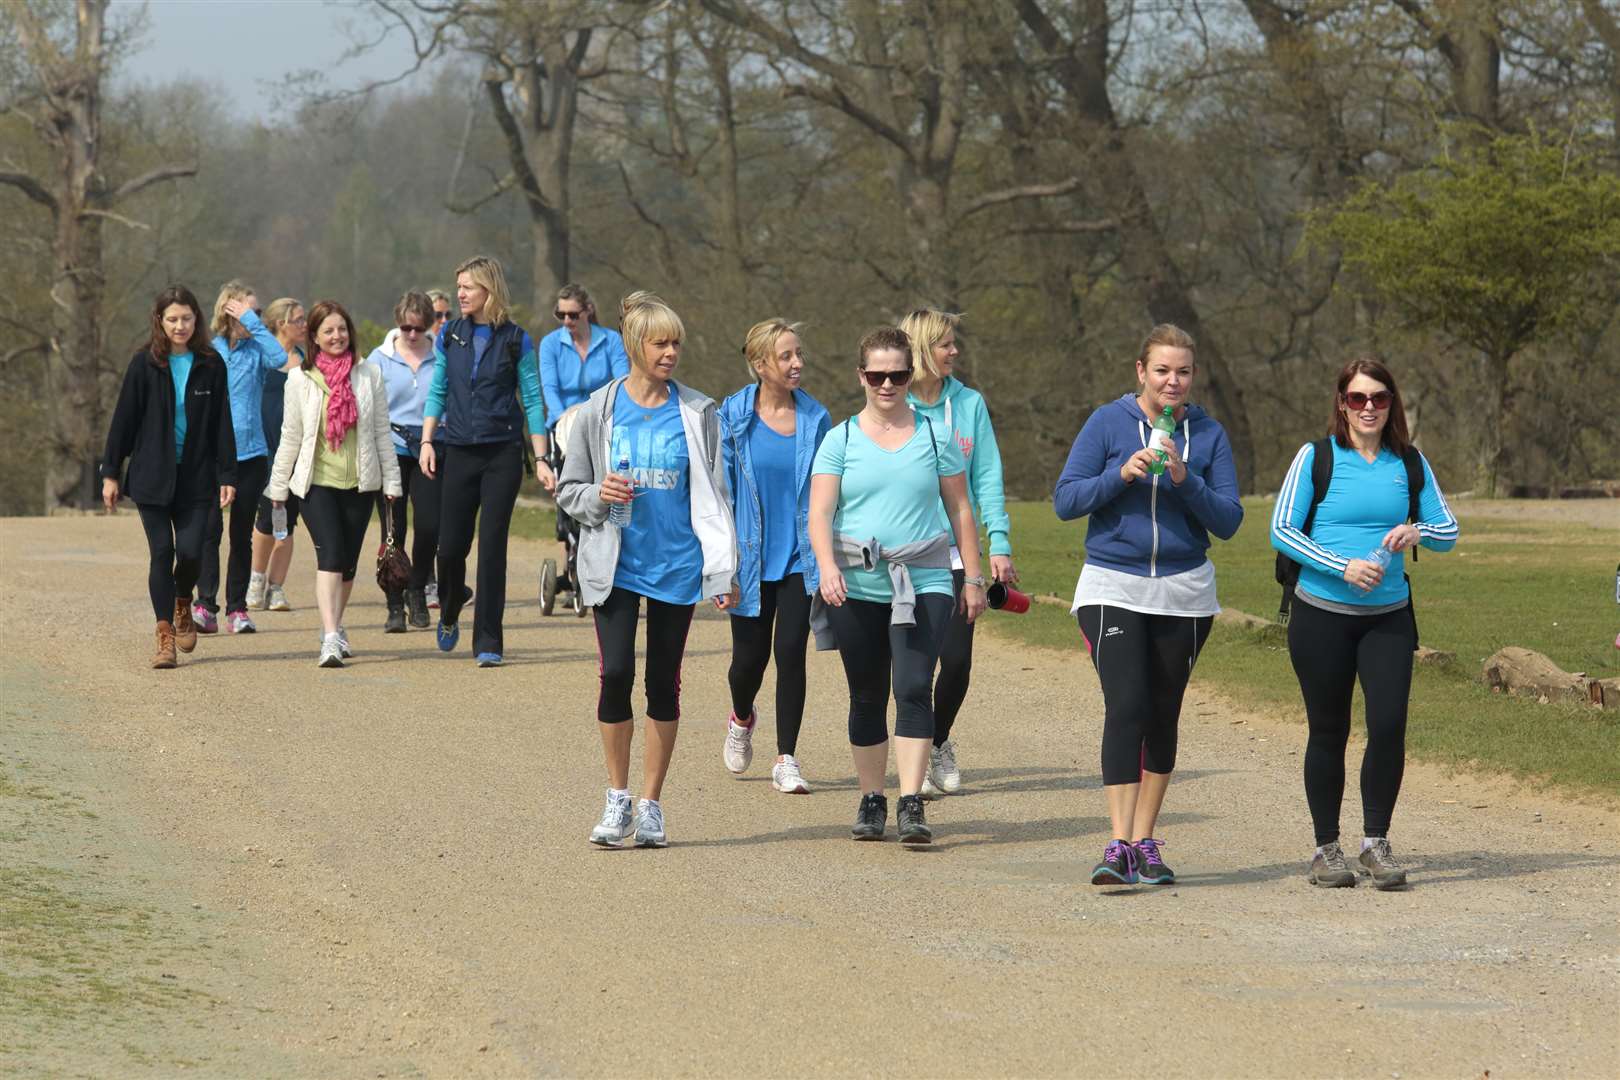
(481,335)
(179,372)
(891,496)
(776,478)
(659,553)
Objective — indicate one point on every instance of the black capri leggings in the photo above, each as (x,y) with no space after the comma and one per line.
(785,608)
(955,668)
(337,520)
(266,524)
(174,540)
(426,495)
(667,625)
(876,653)
(252,474)
(1329,651)
(1143,663)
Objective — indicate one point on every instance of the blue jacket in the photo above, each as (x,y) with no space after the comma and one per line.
(1152,527)
(485,410)
(737,417)
(962,409)
(246,364)
(566,380)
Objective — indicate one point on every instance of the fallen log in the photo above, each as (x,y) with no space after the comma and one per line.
(1527,673)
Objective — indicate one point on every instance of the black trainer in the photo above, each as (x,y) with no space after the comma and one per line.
(871,818)
(908,816)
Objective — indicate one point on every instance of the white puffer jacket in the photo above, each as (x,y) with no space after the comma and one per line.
(303,421)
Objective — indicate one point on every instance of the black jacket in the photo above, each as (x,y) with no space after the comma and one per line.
(143,431)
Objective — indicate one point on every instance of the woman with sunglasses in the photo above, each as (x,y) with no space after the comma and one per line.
(267,584)
(884,557)
(1353,612)
(1146,595)
(407,362)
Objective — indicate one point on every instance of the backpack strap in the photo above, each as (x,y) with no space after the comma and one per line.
(1414,487)
(931,442)
(1287,572)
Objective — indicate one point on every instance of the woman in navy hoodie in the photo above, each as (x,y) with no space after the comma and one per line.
(1146,595)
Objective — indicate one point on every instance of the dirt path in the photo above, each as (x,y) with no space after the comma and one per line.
(382,871)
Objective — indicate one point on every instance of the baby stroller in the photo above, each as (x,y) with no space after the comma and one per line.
(553,585)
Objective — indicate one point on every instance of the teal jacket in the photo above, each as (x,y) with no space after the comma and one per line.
(962,409)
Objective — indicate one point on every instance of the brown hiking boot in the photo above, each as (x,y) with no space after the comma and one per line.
(164,657)
(184,629)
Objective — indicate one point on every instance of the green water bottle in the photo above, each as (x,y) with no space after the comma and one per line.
(1164,436)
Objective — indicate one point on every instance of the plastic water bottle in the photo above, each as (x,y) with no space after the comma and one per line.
(1379,557)
(619,514)
(278,521)
(1164,436)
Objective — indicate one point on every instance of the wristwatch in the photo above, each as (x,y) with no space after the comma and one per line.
(979,581)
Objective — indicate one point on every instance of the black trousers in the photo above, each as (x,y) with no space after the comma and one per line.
(480,484)
(174,542)
(955,668)
(1143,663)
(426,496)
(1330,651)
(877,654)
(667,625)
(251,477)
(784,612)
(337,520)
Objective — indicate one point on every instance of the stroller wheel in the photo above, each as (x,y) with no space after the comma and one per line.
(548,586)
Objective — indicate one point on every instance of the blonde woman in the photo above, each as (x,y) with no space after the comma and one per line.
(486,386)
(271,557)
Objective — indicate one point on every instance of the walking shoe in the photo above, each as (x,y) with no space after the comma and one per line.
(1328,868)
(416,608)
(276,598)
(872,817)
(448,636)
(909,820)
(207,622)
(650,824)
(395,623)
(929,790)
(237,622)
(489,659)
(343,643)
(615,823)
(257,586)
(942,768)
(185,628)
(1150,866)
(1118,866)
(430,595)
(738,752)
(164,657)
(785,777)
(1379,862)
(331,651)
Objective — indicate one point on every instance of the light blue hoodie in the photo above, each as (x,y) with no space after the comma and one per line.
(246,365)
(962,409)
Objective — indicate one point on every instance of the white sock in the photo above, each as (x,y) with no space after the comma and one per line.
(255,578)
(619,793)
(1319,851)
(1369,841)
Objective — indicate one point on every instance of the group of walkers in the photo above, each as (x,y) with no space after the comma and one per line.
(864,534)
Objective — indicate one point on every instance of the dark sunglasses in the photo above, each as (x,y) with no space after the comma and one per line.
(876,379)
(1380,400)
(413,329)
(440,316)
(568,316)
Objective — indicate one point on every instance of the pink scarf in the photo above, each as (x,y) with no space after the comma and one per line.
(342,411)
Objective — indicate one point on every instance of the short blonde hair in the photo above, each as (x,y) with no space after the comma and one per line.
(223,325)
(488,275)
(644,317)
(759,344)
(278,311)
(927,328)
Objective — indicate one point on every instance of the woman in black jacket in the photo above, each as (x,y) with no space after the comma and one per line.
(173,424)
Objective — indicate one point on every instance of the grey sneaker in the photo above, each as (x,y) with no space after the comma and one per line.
(650,824)
(615,823)
(331,651)
(738,751)
(256,590)
(343,643)
(942,768)
(1328,869)
(276,598)
(1379,862)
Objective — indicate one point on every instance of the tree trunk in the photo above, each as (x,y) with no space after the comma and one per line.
(73,369)
(1494,383)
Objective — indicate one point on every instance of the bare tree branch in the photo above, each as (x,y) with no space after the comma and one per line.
(146,180)
(111,216)
(502,186)
(31,188)
(1028,191)
(1101,225)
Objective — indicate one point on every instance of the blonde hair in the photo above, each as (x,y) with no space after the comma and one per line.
(223,325)
(1167,334)
(759,345)
(435,295)
(488,275)
(927,328)
(644,317)
(279,311)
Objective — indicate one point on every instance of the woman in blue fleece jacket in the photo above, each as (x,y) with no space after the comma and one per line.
(1146,595)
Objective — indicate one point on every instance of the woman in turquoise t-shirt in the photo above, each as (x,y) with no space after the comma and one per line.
(885,565)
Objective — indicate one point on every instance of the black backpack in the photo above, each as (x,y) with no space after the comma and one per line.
(1321,477)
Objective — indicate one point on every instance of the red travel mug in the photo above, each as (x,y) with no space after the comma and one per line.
(1004,597)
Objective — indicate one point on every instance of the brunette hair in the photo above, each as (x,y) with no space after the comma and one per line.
(927,328)
(576,292)
(1395,435)
(158,347)
(415,303)
(488,275)
(1167,334)
(318,314)
(759,346)
(644,317)
(884,337)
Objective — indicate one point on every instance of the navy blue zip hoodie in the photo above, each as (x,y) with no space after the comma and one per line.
(1152,527)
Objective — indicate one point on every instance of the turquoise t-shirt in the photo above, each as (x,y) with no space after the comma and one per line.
(659,553)
(777,478)
(179,372)
(891,496)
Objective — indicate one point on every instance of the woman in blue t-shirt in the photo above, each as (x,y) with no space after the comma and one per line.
(886,593)
(643,476)
(1353,612)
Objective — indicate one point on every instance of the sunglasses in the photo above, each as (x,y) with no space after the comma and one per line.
(876,379)
(568,316)
(413,329)
(1380,400)
(440,316)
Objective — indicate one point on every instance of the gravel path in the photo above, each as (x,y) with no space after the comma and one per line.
(382,871)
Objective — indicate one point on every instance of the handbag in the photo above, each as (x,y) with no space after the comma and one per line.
(393,565)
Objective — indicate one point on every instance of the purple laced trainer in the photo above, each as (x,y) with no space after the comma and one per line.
(1151,868)
(1118,866)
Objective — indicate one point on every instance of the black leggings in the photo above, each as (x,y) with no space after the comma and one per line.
(480,484)
(955,668)
(174,539)
(426,494)
(1329,651)
(785,604)
(251,477)
(667,625)
(337,520)
(876,654)
(264,521)
(1143,663)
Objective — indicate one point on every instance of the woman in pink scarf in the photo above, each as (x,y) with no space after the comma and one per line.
(336,452)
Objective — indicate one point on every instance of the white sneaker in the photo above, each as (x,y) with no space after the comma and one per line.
(738,753)
(343,643)
(615,823)
(276,598)
(785,777)
(331,651)
(431,593)
(929,790)
(256,589)
(650,824)
(942,768)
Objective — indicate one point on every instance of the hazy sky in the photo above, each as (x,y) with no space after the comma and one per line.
(249,47)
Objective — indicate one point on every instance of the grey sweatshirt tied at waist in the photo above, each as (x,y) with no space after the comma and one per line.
(931,554)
